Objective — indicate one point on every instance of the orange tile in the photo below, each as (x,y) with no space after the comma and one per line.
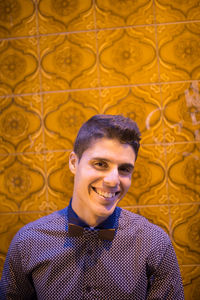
(179,51)
(61,16)
(127,56)
(19,66)
(17,18)
(123,13)
(20,123)
(191,281)
(185,233)
(174,11)
(183,164)
(64,115)
(68,61)
(22,182)
(141,104)
(182,111)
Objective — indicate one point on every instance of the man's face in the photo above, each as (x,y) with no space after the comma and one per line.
(102,177)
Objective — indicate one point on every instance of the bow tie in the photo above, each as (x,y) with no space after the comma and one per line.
(103,234)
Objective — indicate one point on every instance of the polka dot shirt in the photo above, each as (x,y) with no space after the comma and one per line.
(44,262)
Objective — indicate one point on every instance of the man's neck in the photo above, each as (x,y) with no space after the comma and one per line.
(87,218)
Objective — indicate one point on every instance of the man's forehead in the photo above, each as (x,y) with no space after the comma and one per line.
(107,149)
(104,141)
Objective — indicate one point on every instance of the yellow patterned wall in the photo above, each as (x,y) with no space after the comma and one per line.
(62,62)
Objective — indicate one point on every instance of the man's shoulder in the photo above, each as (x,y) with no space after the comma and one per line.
(51,222)
(135,224)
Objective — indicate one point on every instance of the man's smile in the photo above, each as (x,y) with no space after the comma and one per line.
(105,194)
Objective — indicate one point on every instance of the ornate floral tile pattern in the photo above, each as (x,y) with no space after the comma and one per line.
(190,275)
(68,61)
(127,56)
(17,18)
(19,66)
(60,16)
(186,233)
(179,10)
(62,62)
(179,47)
(123,13)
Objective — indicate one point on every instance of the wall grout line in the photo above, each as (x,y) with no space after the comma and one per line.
(68,150)
(97,54)
(99,29)
(163,126)
(99,88)
(42,104)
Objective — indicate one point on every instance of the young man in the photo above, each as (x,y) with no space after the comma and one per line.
(93,249)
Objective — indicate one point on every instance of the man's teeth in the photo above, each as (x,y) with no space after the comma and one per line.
(105,194)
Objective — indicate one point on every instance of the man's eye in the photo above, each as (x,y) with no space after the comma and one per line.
(100,164)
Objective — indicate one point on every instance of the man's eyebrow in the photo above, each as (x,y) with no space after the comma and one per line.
(100,158)
(127,165)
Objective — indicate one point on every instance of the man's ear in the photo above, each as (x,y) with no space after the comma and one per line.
(73,161)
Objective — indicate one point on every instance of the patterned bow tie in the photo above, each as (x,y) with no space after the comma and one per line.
(104,234)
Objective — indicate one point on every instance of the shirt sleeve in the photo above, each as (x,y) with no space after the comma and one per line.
(165,280)
(15,283)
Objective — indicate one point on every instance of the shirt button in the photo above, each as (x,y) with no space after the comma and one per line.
(88,289)
(90,251)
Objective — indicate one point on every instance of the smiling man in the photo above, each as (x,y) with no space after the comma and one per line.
(102,178)
(93,249)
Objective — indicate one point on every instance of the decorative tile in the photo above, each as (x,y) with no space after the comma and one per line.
(182,111)
(183,164)
(127,56)
(17,18)
(186,233)
(61,16)
(141,104)
(20,123)
(60,180)
(9,225)
(22,181)
(64,115)
(19,66)
(179,51)
(68,61)
(174,11)
(149,180)
(191,282)
(123,13)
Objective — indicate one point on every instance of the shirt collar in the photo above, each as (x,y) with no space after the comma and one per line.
(74,219)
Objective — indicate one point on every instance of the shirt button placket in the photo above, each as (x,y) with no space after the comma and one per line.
(91,236)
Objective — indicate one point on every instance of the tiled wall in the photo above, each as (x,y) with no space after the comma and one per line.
(64,61)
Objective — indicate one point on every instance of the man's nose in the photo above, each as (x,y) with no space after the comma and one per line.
(112,177)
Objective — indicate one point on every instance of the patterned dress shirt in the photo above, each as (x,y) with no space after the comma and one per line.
(44,263)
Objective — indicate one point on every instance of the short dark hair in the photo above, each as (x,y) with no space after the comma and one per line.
(117,127)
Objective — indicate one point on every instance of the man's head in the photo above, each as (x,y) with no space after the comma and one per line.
(102,163)
(107,126)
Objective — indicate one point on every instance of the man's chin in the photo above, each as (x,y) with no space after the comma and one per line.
(105,211)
